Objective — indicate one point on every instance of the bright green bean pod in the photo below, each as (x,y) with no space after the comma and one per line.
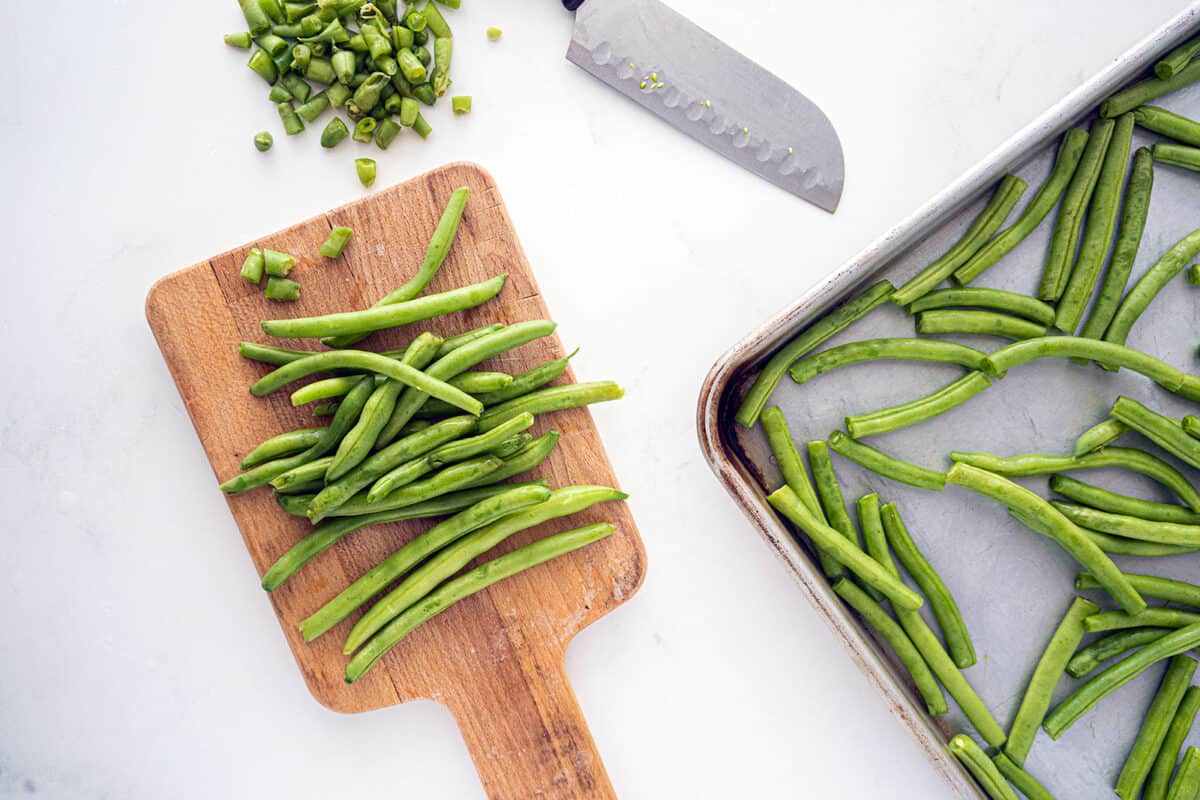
(364,131)
(556,398)
(443,49)
(1186,785)
(303,475)
(934,404)
(818,333)
(1173,591)
(1131,527)
(1014,303)
(1045,679)
(1065,163)
(449,503)
(292,124)
(1164,431)
(474,581)
(477,383)
(986,773)
(1100,435)
(421,127)
(1116,503)
(252,267)
(256,19)
(1026,784)
(1150,617)
(320,70)
(402,475)
(900,349)
(1168,123)
(979,323)
(788,458)
(437,24)
(886,465)
(365,168)
(1047,520)
(1111,646)
(1168,753)
(338,94)
(831,505)
(324,389)
(1144,91)
(1008,192)
(282,445)
(1154,727)
(1150,284)
(941,602)
(336,242)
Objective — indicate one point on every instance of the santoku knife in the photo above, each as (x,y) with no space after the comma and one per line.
(711,92)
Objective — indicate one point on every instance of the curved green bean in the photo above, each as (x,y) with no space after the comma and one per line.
(1130,527)
(1168,753)
(897,639)
(1107,352)
(886,465)
(476,383)
(1008,192)
(324,389)
(1026,784)
(1105,500)
(1047,520)
(1150,617)
(1045,679)
(1100,229)
(1122,641)
(1150,284)
(1096,689)
(1168,123)
(831,505)
(941,602)
(1135,209)
(1098,436)
(1164,431)
(555,398)
(1173,591)
(1024,466)
(1154,727)
(899,349)
(787,457)
(485,512)
(1120,546)
(982,323)
(1014,303)
(1065,163)
(986,773)
(1144,91)
(934,404)
(474,581)
(282,445)
(302,475)
(449,560)
(813,337)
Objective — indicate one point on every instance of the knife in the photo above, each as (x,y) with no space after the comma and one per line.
(711,92)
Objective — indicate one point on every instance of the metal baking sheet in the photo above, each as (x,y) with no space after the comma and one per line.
(1012,585)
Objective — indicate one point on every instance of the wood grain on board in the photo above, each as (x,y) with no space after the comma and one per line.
(495,659)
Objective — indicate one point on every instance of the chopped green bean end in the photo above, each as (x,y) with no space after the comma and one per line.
(461,104)
(334,133)
(241,39)
(1194,274)
(252,267)
(263,141)
(336,242)
(493,34)
(365,167)
(282,289)
(277,264)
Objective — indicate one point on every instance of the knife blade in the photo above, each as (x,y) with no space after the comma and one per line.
(706,89)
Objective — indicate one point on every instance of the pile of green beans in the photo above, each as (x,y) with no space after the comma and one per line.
(377,62)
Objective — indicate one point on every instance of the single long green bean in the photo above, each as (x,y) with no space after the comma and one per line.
(282,445)
(831,505)
(1111,646)
(1154,727)
(788,458)
(1100,229)
(1186,785)
(986,773)
(521,385)
(1084,698)
(900,349)
(1164,431)
(870,522)
(474,581)
(1070,215)
(1065,163)
(1099,435)
(1047,520)
(268,354)
(982,323)
(817,334)
(1168,123)
(934,404)
(1014,303)
(1168,753)
(449,560)
(1144,91)
(556,398)
(1008,192)
(1173,591)
(897,639)
(1116,503)
(1026,784)
(941,602)
(1131,527)
(1150,284)
(1150,617)
(1045,679)
(886,465)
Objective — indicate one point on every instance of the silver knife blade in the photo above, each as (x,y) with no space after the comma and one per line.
(701,86)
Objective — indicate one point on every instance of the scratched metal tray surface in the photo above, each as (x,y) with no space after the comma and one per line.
(1012,585)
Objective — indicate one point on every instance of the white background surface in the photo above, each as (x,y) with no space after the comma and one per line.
(140,658)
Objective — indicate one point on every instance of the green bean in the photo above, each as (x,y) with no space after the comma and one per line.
(886,465)
(897,639)
(263,141)
(1152,617)
(484,443)
(1100,435)
(523,460)
(336,242)
(1026,784)
(986,773)
(292,124)
(1168,123)
(1131,527)
(945,610)
(1070,215)
(474,581)
(931,350)
(276,263)
(297,87)
(874,537)
(345,417)
(1122,641)
(818,333)
(1047,520)
(449,503)
(320,70)
(344,63)
(315,107)
(252,267)
(410,66)
(1096,689)
(788,458)
(831,506)
(365,169)
(485,512)
(785,501)
(335,131)
(402,475)
(435,256)
(1154,727)
(295,11)
(421,127)
(1101,226)
(325,389)
(240,40)
(459,361)
(302,475)
(1045,679)
(386,133)
(256,19)
(1164,431)
(934,404)
(1148,286)
(1177,155)
(1008,192)
(443,49)
(1065,163)
(436,22)
(1144,91)
(450,3)
(1168,753)
(983,323)
(477,383)
(454,342)
(449,560)
(1186,785)
(1172,63)
(364,131)
(368,362)
(521,385)
(1014,303)
(1105,500)
(360,440)
(279,94)
(325,409)
(282,445)
(556,398)
(1120,546)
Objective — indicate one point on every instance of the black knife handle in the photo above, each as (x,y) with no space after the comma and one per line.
(571,5)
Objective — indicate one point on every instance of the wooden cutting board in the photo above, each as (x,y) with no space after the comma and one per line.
(496,659)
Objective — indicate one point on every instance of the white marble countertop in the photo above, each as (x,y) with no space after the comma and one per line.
(140,658)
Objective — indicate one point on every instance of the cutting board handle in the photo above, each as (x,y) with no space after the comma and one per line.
(527,735)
